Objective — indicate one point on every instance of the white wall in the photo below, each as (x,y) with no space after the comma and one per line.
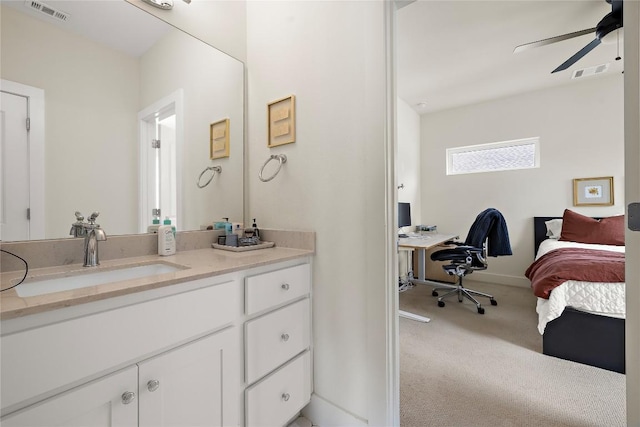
(408,159)
(581,135)
(75,134)
(221,23)
(408,171)
(330,55)
(213,85)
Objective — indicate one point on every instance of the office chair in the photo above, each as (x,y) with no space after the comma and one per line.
(488,236)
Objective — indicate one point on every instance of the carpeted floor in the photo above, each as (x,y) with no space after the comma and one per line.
(466,369)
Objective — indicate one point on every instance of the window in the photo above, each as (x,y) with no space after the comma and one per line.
(494,156)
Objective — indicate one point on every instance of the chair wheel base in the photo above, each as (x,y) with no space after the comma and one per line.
(434,294)
(481,310)
(440,303)
(494,302)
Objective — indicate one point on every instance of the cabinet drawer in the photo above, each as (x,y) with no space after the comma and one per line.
(274,338)
(276,287)
(276,399)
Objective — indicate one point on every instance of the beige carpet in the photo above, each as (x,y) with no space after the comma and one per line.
(467,369)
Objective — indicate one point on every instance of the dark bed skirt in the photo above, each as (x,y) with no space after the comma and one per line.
(586,338)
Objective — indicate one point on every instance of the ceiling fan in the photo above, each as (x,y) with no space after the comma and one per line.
(611,21)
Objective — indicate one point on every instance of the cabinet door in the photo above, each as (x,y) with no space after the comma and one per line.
(193,385)
(99,403)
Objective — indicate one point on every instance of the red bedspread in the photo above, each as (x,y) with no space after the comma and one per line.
(586,265)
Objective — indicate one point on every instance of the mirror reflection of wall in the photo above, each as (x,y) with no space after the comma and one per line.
(93,96)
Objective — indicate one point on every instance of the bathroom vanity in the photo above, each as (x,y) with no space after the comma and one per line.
(224,341)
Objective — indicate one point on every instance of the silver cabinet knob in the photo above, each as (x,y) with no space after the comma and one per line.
(153,385)
(128,397)
(285,396)
(285,337)
(285,286)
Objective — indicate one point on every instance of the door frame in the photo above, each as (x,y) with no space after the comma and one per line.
(36,141)
(174,100)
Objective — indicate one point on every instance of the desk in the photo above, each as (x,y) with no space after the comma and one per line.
(421,243)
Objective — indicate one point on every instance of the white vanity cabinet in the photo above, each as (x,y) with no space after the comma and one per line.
(277,345)
(180,355)
(172,361)
(180,387)
(98,403)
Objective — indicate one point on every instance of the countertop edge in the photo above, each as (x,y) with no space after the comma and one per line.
(199,263)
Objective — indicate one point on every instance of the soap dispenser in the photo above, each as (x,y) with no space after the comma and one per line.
(256,231)
(153,228)
(166,238)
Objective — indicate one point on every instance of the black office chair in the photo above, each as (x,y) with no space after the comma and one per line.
(488,236)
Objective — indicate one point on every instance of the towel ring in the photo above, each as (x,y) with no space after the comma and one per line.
(215,169)
(281,158)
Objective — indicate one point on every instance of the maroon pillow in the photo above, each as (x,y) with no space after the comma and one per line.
(583,229)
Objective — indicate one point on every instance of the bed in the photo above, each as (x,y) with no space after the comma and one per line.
(580,320)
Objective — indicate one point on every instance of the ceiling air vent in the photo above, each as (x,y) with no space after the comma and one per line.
(591,71)
(47,10)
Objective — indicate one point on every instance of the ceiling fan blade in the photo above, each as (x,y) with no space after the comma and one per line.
(551,40)
(582,52)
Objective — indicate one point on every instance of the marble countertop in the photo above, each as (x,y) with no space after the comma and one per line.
(197,264)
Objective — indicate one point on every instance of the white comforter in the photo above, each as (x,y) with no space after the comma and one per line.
(603,298)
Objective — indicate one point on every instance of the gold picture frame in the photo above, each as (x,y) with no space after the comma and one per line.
(219,139)
(593,191)
(281,120)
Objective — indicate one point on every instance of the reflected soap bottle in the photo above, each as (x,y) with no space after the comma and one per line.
(166,238)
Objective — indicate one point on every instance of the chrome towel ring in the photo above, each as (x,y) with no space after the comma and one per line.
(281,158)
(215,169)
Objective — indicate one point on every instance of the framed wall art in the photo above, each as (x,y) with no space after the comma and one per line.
(593,191)
(282,121)
(219,139)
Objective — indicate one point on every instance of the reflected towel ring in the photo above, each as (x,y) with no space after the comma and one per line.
(215,169)
(281,159)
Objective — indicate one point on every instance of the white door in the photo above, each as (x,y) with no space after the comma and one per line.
(100,403)
(160,157)
(14,168)
(193,385)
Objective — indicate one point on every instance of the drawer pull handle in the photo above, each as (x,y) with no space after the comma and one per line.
(128,397)
(285,397)
(285,286)
(153,385)
(285,337)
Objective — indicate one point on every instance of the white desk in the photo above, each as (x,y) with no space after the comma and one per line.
(421,243)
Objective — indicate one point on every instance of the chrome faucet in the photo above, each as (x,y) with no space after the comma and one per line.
(92,234)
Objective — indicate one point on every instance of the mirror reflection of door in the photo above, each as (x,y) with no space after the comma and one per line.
(14,163)
(159,162)
(22,161)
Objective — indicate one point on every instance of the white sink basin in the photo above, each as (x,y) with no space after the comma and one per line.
(82,279)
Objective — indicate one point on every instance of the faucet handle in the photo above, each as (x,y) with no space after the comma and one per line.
(79,216)
(92,218)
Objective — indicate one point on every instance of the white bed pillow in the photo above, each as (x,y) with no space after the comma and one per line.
(554,228)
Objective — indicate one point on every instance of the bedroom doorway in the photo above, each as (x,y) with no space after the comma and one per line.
(632,193)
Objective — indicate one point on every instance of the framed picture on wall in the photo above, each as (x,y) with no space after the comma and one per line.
(282,121)
(593,191)
(219,139)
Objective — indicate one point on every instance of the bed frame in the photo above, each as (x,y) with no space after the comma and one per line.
(580,336)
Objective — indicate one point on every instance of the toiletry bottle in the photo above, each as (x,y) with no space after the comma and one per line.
(166,238)
(221,225)
(153,228)
(256,231)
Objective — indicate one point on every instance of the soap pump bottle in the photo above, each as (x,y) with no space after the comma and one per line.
(166,238)
(256,231)
(153,228)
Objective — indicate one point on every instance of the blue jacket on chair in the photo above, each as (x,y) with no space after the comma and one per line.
(490,224)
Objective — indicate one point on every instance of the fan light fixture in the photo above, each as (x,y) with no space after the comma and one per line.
(160,4)
(610,23)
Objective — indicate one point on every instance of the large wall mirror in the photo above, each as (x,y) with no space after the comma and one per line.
(103,80)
